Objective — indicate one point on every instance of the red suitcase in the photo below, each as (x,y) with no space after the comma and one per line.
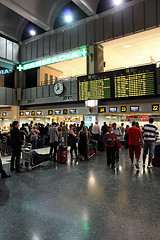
(61,156)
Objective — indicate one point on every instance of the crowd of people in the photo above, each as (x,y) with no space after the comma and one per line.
(77,136)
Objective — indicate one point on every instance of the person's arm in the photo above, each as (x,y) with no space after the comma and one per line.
(157,133)
(71,132)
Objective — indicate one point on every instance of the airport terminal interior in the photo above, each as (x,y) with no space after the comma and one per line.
(66,66)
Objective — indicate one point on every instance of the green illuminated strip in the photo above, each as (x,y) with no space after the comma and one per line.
(60,58)
(5,71)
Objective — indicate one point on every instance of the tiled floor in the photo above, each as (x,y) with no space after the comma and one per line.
(81,201)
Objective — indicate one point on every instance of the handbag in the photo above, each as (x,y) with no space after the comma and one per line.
(118,144)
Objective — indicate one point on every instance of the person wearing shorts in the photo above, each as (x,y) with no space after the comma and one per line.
(150,134)
(135,136)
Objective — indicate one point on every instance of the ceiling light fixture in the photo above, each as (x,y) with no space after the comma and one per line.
(32,32)
(117,2)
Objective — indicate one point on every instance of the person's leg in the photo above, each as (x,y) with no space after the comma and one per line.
(71,151)
(12,160)
(1,167)
(75,150)
(151,153)
(113,150)
(117,155)
(145,152)
(131,153)
(108,152)
(51,149)
(137,155)
(55,150)
(18,155)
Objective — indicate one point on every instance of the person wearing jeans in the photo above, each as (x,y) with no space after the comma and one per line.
(118,133)
(110,143)
(53,132)
(150,134)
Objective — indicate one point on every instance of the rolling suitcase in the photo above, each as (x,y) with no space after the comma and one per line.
(62,154)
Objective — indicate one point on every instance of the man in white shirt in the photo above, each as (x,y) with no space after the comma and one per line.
(118,133)
(96,131)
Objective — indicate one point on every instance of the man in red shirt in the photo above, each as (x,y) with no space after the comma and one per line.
(135,136)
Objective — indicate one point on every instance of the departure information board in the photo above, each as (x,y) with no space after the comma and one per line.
(94,88)
(135,82)
(125,83)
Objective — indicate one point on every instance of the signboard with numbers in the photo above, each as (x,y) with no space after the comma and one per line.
(123,109)
(155,108)
(102,110)
(50,112)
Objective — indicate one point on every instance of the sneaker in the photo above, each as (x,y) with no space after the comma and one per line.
(150,166)
(137,165)
(132,166)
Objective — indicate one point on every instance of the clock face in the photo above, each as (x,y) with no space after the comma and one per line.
(58,88)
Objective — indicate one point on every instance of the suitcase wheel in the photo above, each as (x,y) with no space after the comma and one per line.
(29,168)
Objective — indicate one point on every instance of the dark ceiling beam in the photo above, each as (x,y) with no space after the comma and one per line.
(22,12)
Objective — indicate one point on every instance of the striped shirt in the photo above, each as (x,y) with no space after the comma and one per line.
(150,132)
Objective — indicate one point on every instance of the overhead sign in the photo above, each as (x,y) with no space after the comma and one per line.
(134,109)
(72,111)
(82,52)
(5,71)
(65,111)
(155,108)
(27,113)
(50,112)
(57,112)
(39,113)
(4,114)
(123,109)
(101,109)
(33,113)
(113,109)
(21,114)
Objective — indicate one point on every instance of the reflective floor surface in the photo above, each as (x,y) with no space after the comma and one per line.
(81,201)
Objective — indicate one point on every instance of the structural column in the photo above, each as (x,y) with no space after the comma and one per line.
(95,59)
(15,113)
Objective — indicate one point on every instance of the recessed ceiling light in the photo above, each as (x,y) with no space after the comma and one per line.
(68,18)
(127,46)
(32,32)
(117,2)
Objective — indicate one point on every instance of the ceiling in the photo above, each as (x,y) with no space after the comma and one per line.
(137,49)
(15,14)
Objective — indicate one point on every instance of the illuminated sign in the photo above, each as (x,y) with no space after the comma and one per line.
(72,111)
(50,112)
(27,113)
(134,109)
(101,110)
(39,113)
(33,113)
(113,109)
(123,109)
(4,114)
(5,71)
(57,112)
(65,111)
(82,52)
(155,108)
(21,114)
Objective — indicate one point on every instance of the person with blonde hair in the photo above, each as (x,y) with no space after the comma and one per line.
(83,137)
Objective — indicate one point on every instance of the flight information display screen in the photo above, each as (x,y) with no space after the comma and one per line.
(94,87)
(134,82)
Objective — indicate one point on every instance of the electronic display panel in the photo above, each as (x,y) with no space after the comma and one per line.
(135,82)
(39,113)
(57,112)
(72,111)
(94,87)
(27,113)
(134,108)
(113,109)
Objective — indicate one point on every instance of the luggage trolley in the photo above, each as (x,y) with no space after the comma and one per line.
(27,156)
